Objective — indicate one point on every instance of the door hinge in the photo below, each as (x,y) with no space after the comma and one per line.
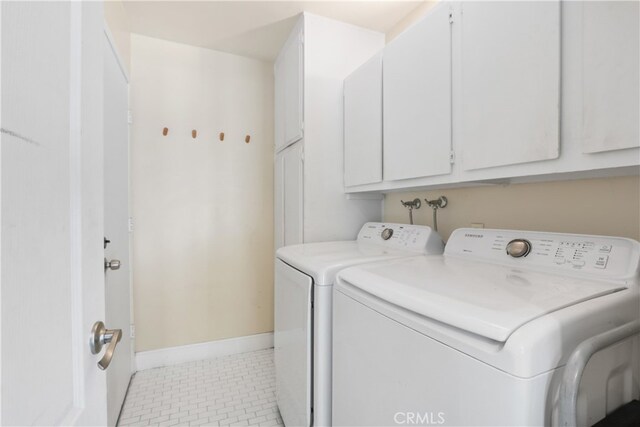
(450,17)
(452,157)
(129,117)
(132,331)
(130,224)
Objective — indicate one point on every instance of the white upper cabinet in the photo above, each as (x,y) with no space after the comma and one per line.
(417,99)
(516,90)
(510,83)
(363,124)
(288,71)
(610,46)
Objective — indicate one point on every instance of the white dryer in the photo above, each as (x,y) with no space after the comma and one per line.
(304,277)
(480,335)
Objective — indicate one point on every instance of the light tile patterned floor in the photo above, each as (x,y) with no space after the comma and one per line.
(229,390)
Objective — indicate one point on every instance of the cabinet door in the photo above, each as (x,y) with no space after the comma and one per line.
(293,195)
(293,87)
(278,201)
(278,112)
(288,90)
(510,84)
(417,99)
(363,124)
(289,187)
(610,75)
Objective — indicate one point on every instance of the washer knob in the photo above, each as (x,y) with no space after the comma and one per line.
(387,233)
(518,248)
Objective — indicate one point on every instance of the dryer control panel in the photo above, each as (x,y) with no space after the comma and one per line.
(417,238)
(594,256)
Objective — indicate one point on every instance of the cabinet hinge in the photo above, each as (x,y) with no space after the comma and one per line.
(450,17)
(452,157)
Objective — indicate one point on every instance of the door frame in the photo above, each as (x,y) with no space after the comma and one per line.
(127,334)
(112,44)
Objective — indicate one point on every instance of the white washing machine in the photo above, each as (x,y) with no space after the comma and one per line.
(480,335)
(304,277)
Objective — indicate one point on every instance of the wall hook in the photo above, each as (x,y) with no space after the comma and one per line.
(247,139)
(165,131)
(413,204)
(221,136)
(194,134)
(436,204)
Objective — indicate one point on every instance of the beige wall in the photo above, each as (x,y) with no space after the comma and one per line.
(203,209)
(116,18)
(608,206)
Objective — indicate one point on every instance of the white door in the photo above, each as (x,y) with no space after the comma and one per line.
(51,276)
(417,99)
(116,225)
(510,86)
(363,124)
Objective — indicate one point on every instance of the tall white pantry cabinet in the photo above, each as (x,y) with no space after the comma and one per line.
(310,203)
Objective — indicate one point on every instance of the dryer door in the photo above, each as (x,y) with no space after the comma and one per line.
(293,345)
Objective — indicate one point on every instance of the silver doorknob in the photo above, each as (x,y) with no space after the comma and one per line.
(101,336)
(114,264)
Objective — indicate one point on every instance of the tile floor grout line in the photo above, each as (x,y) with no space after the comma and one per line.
(228,390)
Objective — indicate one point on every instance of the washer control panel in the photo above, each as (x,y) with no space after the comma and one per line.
(401,236)
(597,256)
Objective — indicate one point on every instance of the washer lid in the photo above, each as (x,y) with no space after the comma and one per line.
(485,299)
(323,260)
(376,241)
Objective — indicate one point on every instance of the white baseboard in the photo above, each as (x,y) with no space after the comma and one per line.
(206,350)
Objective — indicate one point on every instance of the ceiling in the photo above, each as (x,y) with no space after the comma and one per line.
(252,28)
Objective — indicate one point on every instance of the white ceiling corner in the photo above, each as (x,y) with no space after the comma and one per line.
(255,29)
